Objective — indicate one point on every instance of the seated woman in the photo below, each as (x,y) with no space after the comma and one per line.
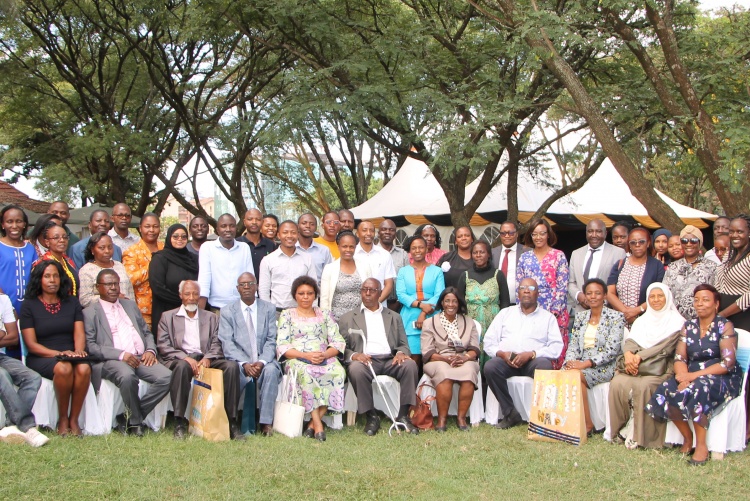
(308,342)
(450,347)
(52,325)
(648,353)
(594,342)
(56,240)
(706,374)
(341,280)
(99,252)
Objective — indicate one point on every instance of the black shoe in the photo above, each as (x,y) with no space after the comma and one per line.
(441,429)
(309,433)
(693,462)
(180,429)
(464,427)
(511,420)
(136,430)
(267,430)
(235,433)
(372,426)
(410,428)
(321,436)
(121,425)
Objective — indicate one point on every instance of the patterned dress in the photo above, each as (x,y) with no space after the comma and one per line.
(551,275)
(682,278)
(346,296)
(707,395)
(137,260)
(316,385)
(482,305)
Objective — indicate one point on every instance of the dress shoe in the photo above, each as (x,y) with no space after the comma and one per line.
(136,430)
(321,436)
(235,433)
(693,462)
(464,427)
(267,430)
(511,420)
(441,429)
(121,425)
(180,429)
(309,433)
(372,426)
(410,428)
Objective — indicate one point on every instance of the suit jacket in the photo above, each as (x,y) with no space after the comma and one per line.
(610,255)
(394,331)
(497,254)
(99,341)
(171,332)
(235,340)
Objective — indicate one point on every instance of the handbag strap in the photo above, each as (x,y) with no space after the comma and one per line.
(427,399)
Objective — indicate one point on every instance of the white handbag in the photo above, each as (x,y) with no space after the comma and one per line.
(288,416)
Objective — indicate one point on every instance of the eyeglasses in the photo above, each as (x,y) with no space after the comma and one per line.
(507,233)
(530,288)
(369,290)
(59,237)
(689,241)
(109,285)
(179,237)
(246,285)
(635,243)
(332,223)
(540,234)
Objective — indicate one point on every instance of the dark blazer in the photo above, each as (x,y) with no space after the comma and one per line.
(99,341)
(654,273)
(355,320)
(235,340)
(497,254)
(171,332)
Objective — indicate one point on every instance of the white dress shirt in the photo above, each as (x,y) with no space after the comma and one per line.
(123,243)
(278,271)
(219,268)
(380,262)
(595,262)
(377,340)
(513,330)
(191,341)
(511,277)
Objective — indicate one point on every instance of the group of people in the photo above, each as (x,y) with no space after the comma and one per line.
(324,309)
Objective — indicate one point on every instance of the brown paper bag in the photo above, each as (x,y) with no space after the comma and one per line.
(208,419)
(557,408)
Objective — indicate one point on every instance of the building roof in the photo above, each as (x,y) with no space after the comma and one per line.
(9,194)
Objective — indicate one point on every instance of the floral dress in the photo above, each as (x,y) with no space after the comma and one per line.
(551,275)
(482,305)
(707,395)
(316,385)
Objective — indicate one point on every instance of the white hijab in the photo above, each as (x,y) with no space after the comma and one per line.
(656,325)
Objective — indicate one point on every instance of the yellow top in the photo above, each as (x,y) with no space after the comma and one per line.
(332,246)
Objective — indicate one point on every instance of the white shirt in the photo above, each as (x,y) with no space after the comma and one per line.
(711,256)
(377,340)
(511,277)
(219,268)
(278,271)
(513,330)
(7,316)
(595,262)
(191,341)
(380,262)
(123,243)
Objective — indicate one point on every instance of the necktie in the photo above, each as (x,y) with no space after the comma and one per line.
(504,266)
(587,268)
(251,333)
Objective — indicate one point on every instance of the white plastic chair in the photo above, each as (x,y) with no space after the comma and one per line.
(726,431)
(334,422)
(45,410)
(110,405)
(392,390)
(521,389)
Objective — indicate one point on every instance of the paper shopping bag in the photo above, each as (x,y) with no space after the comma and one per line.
(208,419)
(557,408)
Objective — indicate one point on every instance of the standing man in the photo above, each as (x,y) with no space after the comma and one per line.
(260,246)
(248,335)
(62,210)
(379,260)
(721,229)
(98,221)
(188,339)
(331,228)
(198,234)
(320,255)
(506,256)
(346,218)
(400,258)
(594,260)
(218,262)
(120,232)
(279,269)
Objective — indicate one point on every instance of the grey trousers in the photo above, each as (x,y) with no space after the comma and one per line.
(179,387)
(268,389)
(126,379)
(361,378)
(18,404)
(497,372)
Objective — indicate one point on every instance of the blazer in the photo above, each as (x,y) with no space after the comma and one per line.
(654,272)
(434,339)
(394,331)
(497,254)
(610,255)
(171,332)
(235,340)
(99,341)
(609,334)
(331,277)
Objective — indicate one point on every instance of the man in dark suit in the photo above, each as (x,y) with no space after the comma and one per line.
(506,256)
(247,330)
(594,260)
(188,339)
(375,336)
(117,334)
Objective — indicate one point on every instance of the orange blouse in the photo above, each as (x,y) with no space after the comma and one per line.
(136,260)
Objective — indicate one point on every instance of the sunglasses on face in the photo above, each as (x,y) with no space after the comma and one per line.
(689,241)
(634,243)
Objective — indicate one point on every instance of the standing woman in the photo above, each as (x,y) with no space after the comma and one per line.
(674,249)
(457,261)
(432,239)
(630,277)
(549,268)
(685,274)
(660,247)
(342,279)
(52,326)
(168,268)
(16,258)
(35,235)
(98,255)
(55,239)
(418,287)
(137,260)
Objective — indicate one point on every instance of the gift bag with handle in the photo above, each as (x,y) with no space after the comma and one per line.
(557,408)
(208,418)
(288,416)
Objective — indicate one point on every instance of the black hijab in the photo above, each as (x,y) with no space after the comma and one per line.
(179,257)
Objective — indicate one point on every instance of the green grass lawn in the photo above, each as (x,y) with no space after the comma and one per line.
(484,463)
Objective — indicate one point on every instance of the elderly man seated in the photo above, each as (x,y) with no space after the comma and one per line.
(188,340)
(375,336)
(520,340)
(247,330)
(117,334)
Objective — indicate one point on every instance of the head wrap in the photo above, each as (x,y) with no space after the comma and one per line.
(656,325)
(660,232)
(692,230)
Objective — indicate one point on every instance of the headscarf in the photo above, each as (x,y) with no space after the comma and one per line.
(692,231)
(660,232)
(656,325)
(179,257)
